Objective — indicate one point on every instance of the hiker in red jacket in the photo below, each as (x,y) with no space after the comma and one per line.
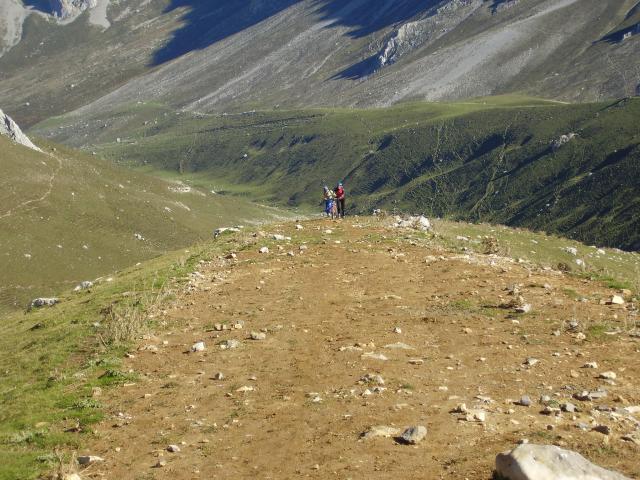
(340,199)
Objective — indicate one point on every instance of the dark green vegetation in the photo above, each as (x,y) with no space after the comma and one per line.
(568,169)
(67,217)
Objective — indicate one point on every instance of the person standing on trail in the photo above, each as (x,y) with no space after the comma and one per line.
(329,202)
(340,199)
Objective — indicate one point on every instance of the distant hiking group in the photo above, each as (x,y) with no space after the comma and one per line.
(334,201)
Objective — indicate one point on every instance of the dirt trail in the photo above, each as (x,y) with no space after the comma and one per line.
(304,410)
(41,198)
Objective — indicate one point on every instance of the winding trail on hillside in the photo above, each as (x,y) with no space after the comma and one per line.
(338,302)
(30,203)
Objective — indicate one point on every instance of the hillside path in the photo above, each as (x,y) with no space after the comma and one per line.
(294,404)
(50,182)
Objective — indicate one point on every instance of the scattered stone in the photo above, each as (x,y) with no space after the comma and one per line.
(460,408)
(397,330)
(538,462)
(588,396)
(374,356)
(590,365)
(616,300)
(381,431)
(530,362)
(572,250)
(414,435)
(604,429)
(372,379)
(568,407)
(245,389)
(608,376)
(86,285)
(258,336)
(416,361)
(524,401)
(399,346)
(219,376)
(549,410)
(279,238)
(198,347)
(229,344)
(89,459)
(476,416)
(173,448)
(44,302)
(417,223)
(160,464)
(264,250)
(526,308)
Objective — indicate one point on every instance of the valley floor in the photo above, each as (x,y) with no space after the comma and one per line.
(294,405)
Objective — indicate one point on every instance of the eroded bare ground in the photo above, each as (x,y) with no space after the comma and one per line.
(293,405)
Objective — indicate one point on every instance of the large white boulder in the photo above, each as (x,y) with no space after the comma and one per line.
(10,129)
(546,462)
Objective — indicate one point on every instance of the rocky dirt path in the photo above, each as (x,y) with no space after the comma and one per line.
(384,328)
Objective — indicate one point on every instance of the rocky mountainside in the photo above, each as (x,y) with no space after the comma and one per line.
(218,56)
(10,129)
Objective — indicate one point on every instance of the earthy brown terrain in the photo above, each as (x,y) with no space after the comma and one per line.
(294,404)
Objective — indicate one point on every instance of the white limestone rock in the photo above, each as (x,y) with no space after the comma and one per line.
(542,462)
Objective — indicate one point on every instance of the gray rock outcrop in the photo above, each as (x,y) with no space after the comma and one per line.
(544,462)
(66,9)
(43,302)
(10,129)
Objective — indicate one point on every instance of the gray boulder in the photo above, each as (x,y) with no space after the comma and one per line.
(43,302)
(546,462)
(86,285)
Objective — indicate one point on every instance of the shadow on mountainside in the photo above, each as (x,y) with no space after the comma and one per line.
(206,22)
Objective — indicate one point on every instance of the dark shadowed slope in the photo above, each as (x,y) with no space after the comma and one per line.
(206,23)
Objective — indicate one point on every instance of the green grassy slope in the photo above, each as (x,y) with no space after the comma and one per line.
(489,160)
(68,217)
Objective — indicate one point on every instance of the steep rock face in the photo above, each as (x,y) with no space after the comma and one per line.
(410,36)
(10,129)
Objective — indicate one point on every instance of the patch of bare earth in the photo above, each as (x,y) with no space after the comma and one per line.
(293,405)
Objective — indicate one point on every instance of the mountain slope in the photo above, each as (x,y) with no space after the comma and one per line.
(216,56)
(572,169)
(66,217)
